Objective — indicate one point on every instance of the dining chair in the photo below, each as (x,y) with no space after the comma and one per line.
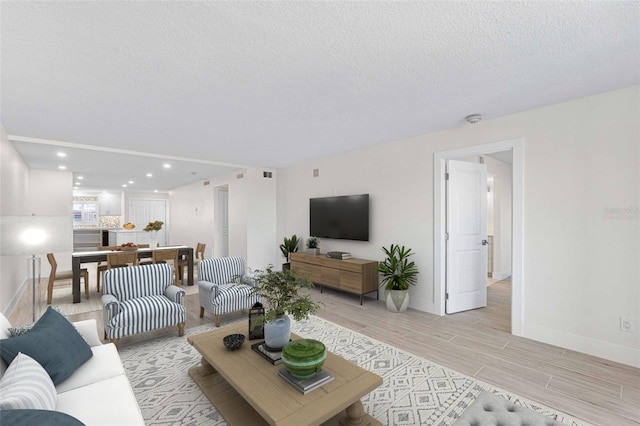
(56,275)
(198,255)
(122,259)
(102,266)
(164,256)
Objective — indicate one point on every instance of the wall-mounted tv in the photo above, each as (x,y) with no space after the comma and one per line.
(345,217)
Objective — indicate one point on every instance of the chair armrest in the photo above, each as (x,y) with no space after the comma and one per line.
(89,330)
(208,287)
(175,294)
(111,308)
(248,279)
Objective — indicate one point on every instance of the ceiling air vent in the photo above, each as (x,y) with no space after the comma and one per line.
(239,175)
(206,182)
(267,174)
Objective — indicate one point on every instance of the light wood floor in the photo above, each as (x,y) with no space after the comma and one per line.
(477,343)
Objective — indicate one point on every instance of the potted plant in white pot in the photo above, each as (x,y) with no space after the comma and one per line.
(283,293)
(312,246)
(397,274)
(289,246)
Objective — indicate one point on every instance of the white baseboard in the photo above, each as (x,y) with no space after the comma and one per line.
(16,298)
(606,350)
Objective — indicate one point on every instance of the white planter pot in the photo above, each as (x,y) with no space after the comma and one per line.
(397,300)
(277,332)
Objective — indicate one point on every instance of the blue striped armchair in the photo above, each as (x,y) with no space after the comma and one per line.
(137,299)
(224,286)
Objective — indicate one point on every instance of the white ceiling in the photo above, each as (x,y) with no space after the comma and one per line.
(271,84)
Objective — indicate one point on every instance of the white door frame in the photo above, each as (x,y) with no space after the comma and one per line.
(517,235)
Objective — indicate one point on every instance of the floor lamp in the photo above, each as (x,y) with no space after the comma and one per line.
(32,236)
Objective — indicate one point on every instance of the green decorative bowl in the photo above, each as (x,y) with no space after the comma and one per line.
(304,358)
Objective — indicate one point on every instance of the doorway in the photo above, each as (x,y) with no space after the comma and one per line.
(516,146)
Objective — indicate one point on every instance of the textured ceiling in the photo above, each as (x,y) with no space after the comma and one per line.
(275,83)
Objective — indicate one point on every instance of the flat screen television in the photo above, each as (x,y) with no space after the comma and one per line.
(344,217)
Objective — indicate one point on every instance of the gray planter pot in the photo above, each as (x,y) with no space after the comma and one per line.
(313,251)
(397,300)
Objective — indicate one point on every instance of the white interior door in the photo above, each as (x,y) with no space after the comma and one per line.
(466,245)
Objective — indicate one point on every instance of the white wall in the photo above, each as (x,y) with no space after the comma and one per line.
(191,208)
(582,161)
(252,215)
(26,192)
(14,183)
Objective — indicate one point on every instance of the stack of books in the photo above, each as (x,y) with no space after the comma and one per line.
(307,385)
(339,255)
(274,357)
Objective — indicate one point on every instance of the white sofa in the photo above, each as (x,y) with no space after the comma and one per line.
(97,393)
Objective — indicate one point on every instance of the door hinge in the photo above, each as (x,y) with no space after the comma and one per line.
(446,296)
(446,176)
(446,236)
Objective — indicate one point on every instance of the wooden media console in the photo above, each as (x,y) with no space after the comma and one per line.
(357,276)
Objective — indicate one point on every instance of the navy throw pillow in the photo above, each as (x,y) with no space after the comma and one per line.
(53,342)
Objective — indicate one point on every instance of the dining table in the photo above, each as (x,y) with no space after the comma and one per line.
(80,257)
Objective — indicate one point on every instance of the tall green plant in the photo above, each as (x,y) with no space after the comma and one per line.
(397,272)
(289,246)
(282,292)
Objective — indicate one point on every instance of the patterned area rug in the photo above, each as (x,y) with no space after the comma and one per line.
(415,390)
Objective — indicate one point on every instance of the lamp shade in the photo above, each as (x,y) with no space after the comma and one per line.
(31,235)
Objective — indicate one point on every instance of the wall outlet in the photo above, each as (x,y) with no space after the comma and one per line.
(626,325)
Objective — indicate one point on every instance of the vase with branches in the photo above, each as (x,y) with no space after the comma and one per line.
(283,293)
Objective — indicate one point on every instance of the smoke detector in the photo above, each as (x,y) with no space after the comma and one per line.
(473,118)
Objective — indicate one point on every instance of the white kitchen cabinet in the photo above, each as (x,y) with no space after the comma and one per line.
(110,204)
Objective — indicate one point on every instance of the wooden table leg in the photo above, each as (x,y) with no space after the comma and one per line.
(75,266)
(205,369)
(355,415)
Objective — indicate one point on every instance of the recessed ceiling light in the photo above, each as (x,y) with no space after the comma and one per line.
(166,165)
(61,154)
(124,185)
(75,187)
(130,182)
(149,175)
(77,183)
(62,167)
(155,190)
(80,177)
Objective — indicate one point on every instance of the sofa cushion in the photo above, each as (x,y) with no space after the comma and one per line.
(26,385)
(137,281)
(104,364)
(37,417)
(108,402)
(145,314)
(53,342)
(4,334)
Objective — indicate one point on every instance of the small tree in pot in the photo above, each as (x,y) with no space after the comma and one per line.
(397,275)
(282,292)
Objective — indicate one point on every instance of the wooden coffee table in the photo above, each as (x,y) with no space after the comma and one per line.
(246,389)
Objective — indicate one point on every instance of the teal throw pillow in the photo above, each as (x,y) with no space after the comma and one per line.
(37,417)
(53,342)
